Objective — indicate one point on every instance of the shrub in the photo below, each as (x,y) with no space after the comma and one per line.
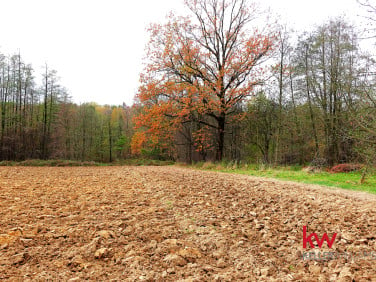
(343,168)
(319,163)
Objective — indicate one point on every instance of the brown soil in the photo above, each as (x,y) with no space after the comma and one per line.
(176,224)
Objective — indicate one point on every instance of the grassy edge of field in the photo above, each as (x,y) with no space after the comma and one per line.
(349,181)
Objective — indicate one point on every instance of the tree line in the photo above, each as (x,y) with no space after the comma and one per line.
(216,86)
(39,121)
(216,89)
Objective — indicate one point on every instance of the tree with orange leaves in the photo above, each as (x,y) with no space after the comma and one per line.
(200,67)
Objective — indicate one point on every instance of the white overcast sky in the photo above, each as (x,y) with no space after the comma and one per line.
(97,45)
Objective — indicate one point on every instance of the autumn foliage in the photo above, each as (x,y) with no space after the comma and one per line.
(345,168)
(199,69)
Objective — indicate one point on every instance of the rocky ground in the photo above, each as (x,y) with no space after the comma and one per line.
(177,224)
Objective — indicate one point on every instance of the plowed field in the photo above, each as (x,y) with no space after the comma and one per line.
(177,224)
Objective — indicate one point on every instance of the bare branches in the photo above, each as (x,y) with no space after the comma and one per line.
(371,17)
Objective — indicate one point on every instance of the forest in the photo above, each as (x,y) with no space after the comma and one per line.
(39,121)
(212,90)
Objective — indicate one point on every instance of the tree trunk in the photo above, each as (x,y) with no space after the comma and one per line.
(221,137)
(44,138)
(110,138)
(310,103)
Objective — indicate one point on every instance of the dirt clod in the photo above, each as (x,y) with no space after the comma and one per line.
(101,253)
